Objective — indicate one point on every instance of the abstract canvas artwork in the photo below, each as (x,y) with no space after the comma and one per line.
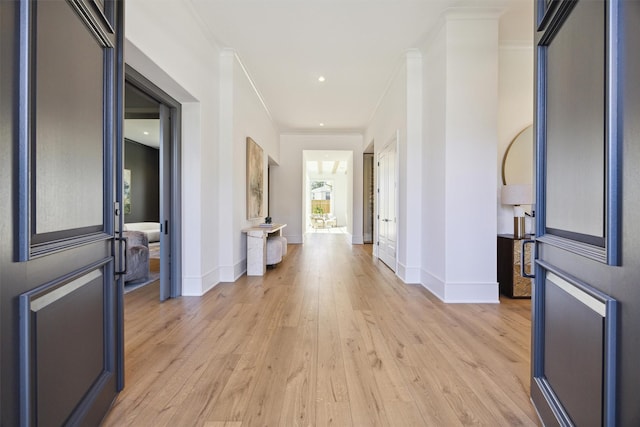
(255,180)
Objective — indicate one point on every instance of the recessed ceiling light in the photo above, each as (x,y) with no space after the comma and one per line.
(321,79)
(145,132)
(321,124)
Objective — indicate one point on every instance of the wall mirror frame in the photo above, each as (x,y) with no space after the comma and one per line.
(517,161)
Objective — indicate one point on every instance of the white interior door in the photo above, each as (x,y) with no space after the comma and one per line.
(387,220)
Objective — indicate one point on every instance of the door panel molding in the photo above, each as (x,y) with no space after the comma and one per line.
(29,242)
(102,11)
(387,202)
(604,248)
(42,366)
(101,30)
(591,300)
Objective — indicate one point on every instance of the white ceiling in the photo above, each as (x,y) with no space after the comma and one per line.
(327,162)
(327,167)
(143,131)
(285,45)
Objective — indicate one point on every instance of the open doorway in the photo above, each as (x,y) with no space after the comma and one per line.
(328,198)
(151,202)
(368,194)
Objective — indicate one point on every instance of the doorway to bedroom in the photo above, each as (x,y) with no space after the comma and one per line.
(151,176)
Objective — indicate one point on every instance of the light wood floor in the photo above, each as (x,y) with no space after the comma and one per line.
(329,337)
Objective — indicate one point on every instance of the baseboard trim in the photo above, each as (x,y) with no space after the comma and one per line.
(233,273)
(433,284)
(200,285)
(475,293)
(297,239)
(357,240)
(408,274)
(461,292)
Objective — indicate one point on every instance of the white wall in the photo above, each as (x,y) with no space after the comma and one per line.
(243,115)
(515,91)
(433,237)
(288,198)
(400,113)
(515,111)
(220,108)
(410,176)
(388,123)
(185,65)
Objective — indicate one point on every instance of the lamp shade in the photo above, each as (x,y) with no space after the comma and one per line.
(516,195)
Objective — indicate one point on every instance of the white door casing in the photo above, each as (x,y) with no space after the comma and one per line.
(387,204)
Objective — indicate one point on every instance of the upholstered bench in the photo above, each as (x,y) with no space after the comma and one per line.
(283,242)
(274,251)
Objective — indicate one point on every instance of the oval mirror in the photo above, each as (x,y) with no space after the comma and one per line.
(517,163)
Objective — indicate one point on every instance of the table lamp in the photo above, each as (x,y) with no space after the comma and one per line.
(517,195)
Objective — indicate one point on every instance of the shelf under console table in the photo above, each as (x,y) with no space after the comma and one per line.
(257,247)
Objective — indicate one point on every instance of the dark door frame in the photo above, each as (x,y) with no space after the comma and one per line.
(174,226)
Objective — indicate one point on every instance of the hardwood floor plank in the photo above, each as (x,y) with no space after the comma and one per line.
(330,337)
(223,424)
(331,383)
(367,406)
(235,397)
(265,404)
(197,402)
(299,405)
(232,404)
(336,414)
(383,365)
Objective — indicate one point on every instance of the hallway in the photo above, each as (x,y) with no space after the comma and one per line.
(328,337)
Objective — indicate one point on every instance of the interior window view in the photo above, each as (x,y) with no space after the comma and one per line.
(338,213)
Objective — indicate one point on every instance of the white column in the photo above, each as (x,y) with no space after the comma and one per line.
(472,54)
(459,158)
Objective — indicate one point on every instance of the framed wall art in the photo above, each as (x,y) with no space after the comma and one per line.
(255,180)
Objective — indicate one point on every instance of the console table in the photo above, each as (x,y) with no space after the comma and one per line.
(512,284)
(257,247)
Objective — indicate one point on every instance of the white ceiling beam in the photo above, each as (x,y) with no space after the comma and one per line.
(336,165)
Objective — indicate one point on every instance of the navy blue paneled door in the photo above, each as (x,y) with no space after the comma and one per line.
(61,303)
(586,301)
